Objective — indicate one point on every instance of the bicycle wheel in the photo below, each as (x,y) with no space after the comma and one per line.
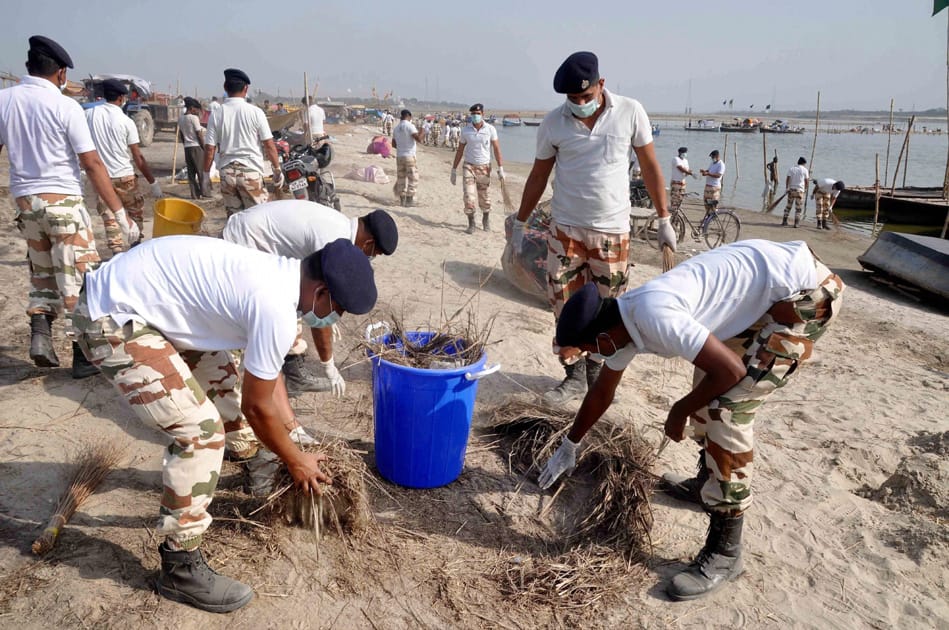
(652,229)
(721,228)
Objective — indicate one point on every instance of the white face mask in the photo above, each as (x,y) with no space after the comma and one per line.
(583,111)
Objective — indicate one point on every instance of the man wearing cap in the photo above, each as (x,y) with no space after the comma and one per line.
(588,138)
(116,136)
(747,315)
(405,136)
(237,131)
(161,321)
(796,184)
(680,169)
(714,175)
(295,229)
(478,140)
(49,141)
(826,191)
(192,137)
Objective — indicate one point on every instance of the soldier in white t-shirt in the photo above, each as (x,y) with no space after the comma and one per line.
(192,137)
(116,137)
(588,138)
(680,169)
(477,141)
(713,181)
(826,191)
(796,183)
(236,133)
(405,137)
(747,315)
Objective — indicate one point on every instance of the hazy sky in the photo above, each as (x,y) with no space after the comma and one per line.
(858,53)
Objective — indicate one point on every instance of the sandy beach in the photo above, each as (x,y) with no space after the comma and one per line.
(848,530)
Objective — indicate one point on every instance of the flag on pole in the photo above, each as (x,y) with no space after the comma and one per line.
(939,5)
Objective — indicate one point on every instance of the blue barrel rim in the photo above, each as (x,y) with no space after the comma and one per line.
(472,367)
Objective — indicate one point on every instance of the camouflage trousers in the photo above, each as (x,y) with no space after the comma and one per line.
(134,203)
(712,193)
(576,256)
(61,248)
(193,397)
(772,349)
(795,198)
(476,180)
(676,194)
(823,206)
(406,181)
(242,187)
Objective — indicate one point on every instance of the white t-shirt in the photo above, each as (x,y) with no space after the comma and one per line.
(214,106)
(204,294)
(477,143)
(404,142)
(720,292)
(44,132)
(237,129)
(677,175)
(591,183)
(113,132)
(292,227)
(317,117)
(798,175)
(826,186)
(190,125)
(715,168)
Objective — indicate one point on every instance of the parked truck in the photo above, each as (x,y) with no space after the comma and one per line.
(150,111)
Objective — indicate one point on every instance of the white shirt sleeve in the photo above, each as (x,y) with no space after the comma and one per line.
(263,127)
(545,148)
(670,332)
(642,129)
(131,131)
(271,332)
(210,137)
(77,130)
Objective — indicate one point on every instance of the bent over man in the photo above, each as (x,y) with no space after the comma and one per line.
(747,315)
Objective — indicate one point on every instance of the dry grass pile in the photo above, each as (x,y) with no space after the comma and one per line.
(452,345)
(614,522)
(92,462)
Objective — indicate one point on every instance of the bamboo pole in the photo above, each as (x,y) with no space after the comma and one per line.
(306,113)
(174,157)
(813,150)
(889,136)
(725,148)
(876,196)
(896,170)
(737,167)
(766,197)
(906,163)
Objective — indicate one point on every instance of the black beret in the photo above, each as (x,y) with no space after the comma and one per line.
(349,277)
(114,86)
(233,74)
(46,46)
(383,229)
(477,107)
(191,102)
(714,153)
(801,160)
(577,73)
(683,149)
(406,113)
(580,311)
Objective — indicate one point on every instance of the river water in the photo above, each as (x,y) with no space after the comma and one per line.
(843,156)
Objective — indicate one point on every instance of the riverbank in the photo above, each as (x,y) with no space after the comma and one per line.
(848,527)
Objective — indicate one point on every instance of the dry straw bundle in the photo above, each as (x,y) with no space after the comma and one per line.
(92,463)
(450,346)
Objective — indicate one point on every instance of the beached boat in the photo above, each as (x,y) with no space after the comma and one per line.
(702,125)
(511,121)
(919,261)
(912,205)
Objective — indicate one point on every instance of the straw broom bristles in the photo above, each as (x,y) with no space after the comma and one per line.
(506,197)
(93,462)
(668,258)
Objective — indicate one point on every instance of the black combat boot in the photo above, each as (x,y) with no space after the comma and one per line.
(572,387)
(81,367)
(784,222)
(471,224)
(824,225)
(299,378)
(486,221)
(261,473)
(687,489)
(718,562)
(186,577)
(41,341)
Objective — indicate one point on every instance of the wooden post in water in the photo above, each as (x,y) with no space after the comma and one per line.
(876,196)
(906,163)
(810,166)
(737,168)
(766,197)
(889,135)
(896,170)
(725,148)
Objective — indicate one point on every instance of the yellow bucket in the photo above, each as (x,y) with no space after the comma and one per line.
(176,216)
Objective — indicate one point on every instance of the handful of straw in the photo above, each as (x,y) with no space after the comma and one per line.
(506,197)
(452,346)
(93,462)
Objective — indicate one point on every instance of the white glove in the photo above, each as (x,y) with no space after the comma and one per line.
(336,379)
(666,234)
(156,190)
(517,236)
(277,179)
(135,234)
(454,177)
(122,219)
(500,172)
(562,462)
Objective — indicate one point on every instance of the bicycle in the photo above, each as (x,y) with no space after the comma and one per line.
(717,227)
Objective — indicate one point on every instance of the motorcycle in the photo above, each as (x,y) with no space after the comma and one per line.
(306,169)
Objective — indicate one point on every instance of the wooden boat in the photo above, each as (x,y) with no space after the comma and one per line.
(532,123)
(779,126)
(748,125)
(511,121)
(919,261)
(912,205)
(702,125)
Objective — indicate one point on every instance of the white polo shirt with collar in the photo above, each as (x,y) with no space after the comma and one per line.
(113,132)
(44,132)
(477,143)
(237,129)
(591,183)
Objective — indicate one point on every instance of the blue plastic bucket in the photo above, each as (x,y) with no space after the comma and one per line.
(422,417)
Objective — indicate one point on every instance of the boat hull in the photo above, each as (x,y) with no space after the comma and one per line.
(921,261)
(907,206)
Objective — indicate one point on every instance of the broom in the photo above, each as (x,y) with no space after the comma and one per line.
(776,202)
(506,197)
(93,463)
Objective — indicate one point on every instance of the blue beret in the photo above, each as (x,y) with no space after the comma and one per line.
(233,74)
(382,227)
(349,277)
(578,314)
(46,46)
(114,86)
(577,73)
